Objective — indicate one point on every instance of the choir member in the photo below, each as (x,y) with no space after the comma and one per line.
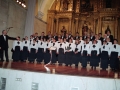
(105,52)
(17,47)
(55,36)
(77,53)
(89,42)
(63,36)
(40,52)
(48,36)
(104,37)
(110,36)
(109,44)
(70,35)
(114,55)
(85,53)
(32,51)
(61,52)
(54,44)
(100,37)
(42,36)
(25,48)
(84,36)
(92,37)
(47,53)
(35,35)
(77,36)
(37,40)
(69,52)
(65,42)
(94,52)
(81,41)
(31,39)
(67,37)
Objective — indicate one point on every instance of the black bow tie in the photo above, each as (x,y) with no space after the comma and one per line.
(37,41)
(103,47)
(76,45)
(84,46)
(60,45)
(41,43)
(94,46)
(53,44)
(25,42)
(47,44)
(33,44)
(107,43)
(69,45)
(18,42)
(115,46)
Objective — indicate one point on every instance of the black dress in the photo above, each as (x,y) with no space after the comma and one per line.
(47,56)
(40,54)
(54,55)
(32,55)
(76,56)
(104,59)
(84,59)
(16,53)
(25,53)
(114,60)
(69,56)
(94,59)
(61,55)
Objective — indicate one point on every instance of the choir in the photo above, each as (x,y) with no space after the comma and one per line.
(65,48)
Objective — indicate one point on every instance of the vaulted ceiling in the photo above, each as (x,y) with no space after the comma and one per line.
(43,7)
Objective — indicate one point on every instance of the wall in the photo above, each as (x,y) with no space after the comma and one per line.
(12,15)
(39,26)
(55,82)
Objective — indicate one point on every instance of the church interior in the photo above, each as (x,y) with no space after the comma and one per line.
(53,16)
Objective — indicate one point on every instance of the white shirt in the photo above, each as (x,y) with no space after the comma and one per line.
(94,47)
(47,45)
(113,49)
(60,45)
(33,46)
(86,48)
(17,43)
(105,47)
(77,46)
(71,45)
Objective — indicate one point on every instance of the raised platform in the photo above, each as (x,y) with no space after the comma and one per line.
(62,70)
(21,75)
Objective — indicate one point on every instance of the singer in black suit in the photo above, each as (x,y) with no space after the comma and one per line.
(4,44)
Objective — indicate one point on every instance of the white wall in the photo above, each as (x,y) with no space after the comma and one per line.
(12,15)
(56,82)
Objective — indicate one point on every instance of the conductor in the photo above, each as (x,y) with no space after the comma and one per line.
(4,44)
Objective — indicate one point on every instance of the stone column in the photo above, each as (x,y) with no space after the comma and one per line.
(116,28)
(76,30)
(100,30)
(52,25)
(57,21)
(29,26)
(70,24)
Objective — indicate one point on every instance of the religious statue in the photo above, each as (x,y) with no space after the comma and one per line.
(63,30)
(85,27)
(65,4)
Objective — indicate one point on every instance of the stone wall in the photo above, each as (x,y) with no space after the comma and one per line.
(12,15)
(39,26)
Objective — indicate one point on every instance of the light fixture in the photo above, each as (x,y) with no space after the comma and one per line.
(21,2)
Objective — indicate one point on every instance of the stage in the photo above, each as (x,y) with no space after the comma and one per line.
(21,75)
(59,69)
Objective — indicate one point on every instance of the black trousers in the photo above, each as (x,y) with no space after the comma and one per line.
(6,54)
